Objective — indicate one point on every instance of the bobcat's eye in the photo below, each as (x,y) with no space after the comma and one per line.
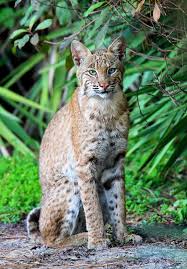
(92,72)
(111,70)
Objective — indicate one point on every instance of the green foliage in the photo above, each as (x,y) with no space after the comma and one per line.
(7,17)
(20,190)
(149,197)
(63,13)
(43,25)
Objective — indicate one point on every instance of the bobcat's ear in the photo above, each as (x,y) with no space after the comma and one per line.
(118,47)
(79,52)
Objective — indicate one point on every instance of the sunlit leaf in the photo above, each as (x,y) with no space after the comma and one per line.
(20,43)
(93,7)
(43,25)
(17,33)
(63,13)
(34,39)
(32,21)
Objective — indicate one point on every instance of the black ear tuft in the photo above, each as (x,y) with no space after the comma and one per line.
(118,47)
(79,52)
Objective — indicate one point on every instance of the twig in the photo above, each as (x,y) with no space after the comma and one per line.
(71,36)
(165,91)
(146,56)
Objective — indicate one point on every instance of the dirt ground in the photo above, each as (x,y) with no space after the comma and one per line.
(162,248)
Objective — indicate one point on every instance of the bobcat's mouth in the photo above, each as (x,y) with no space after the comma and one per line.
(104,94)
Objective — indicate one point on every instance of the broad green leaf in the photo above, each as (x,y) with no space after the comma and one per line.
(17,33)
(43,25)
(63,14)
(20,43)
(25,19)
(32,21)
(34,39)
(92,8)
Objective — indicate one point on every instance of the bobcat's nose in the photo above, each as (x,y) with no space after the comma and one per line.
(103,85)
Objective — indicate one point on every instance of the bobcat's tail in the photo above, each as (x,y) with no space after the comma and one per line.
(33,225)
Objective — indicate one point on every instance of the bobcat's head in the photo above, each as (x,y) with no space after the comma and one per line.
(99,73)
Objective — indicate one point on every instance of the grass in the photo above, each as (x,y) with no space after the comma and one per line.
(20,190)
(148,198)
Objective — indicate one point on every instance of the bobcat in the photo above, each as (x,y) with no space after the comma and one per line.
(82,156)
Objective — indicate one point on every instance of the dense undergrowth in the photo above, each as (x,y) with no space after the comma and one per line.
(152,197)
(148,198)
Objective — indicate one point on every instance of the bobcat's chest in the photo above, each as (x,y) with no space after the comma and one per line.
(104,144)
(110,144)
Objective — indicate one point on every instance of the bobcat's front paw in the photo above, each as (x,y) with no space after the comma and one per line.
(98,244)
(133,238)
(128,238)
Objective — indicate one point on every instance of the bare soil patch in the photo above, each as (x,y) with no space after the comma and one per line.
(157,252)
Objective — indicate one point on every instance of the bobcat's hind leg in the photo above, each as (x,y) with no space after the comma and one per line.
(60,215)
(115,196)
(113,184)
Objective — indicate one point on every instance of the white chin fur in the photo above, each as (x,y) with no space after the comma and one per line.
(104,95)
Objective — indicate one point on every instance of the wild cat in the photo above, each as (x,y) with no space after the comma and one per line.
(82,156)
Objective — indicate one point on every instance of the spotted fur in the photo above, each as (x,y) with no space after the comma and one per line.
(82,155)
